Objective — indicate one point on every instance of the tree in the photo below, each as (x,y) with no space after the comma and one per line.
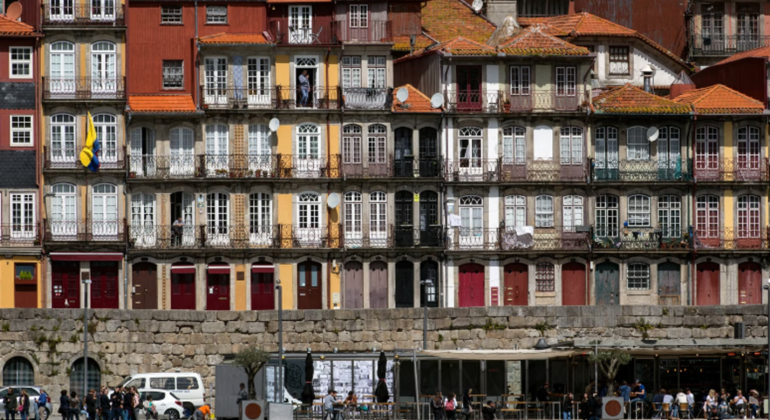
(610,362)
(251,359)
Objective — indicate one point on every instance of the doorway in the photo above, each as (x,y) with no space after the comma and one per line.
(471,285)
(404,284)
(305,78)
(669,284)
(309,291)
(607,284)
(262,288)
(378,285)
(403,164)
(354,285)
(183,205)
(707,291)
(218,287)
(749,283)
(429,284)
(144,279)
(573,284)
(183,286)
(469,88)
(516,278)
(104,285)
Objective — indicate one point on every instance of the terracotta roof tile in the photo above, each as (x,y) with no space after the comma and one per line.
(629,99)
(161,103)
(535,41)
(447,19)
(417,101)
(720,99)
(463,46)
(401,42)
(763,52)
(223,38)
(15,28)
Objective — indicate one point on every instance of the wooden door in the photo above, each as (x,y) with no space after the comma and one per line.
(217,290)
(354,285)
(516,279)
(469,95)
(404,284)
(25,286)
(669,284)
(749,283)
(429,284)
(471,285)
(404,222)
(309,291)
(262,289)
(183,288)
(378,285)
(573,284)
(403,163)
(65,283)
(144,278)
(707,290)
(104,285)
(607,284)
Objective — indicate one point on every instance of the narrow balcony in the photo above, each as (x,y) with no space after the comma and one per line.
(57,158)
(85,88)
(239,98)
(725,45)
(732,239)
(544,101)
(742,169)
(407,167)
(85,231)
(367,238)
(279,97)
(463,100)
(373,31)
(626,170)
(408,236)
(69,13)
(507,170)
(643,238)
(527,238)
(362,98)
(19,235)
(323,31)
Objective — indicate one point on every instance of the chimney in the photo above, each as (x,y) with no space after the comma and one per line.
(682,84)
(648,73)
(498,10)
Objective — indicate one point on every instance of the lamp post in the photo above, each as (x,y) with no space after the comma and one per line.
(425,284)
(86,284)
(280,339)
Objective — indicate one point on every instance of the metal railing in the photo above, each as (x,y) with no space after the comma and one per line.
(749,169)
(642,170)
(473,100)
(68,158)
(20,235)
(408,167)
(240,166)
(322,32)
(363,98)
(732,239)
(91,88)
(368,238)
(542,238)
(460,238)
(408,236)
(225,236)
(72,13)
(723,45)
(374,31)
(511,170)
(245,98)
(85,231)
(472,170)
(314,97)
(543,101)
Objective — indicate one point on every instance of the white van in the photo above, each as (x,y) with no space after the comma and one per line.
(187,386)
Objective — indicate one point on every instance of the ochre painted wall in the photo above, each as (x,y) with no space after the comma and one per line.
(284,139)
(240,288)
(286,274)
(284,209)
(334,286)
(334,71)
(7,277)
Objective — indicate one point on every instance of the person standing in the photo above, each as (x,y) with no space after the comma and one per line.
(74,406)
(150,409)
(116,405)
(11,405)
(90,404)
(450,407)
(566,407)
(304,86)
(437,406)
(488,411)
(104,404)
(64,405)
(136,403)
(42,402)
(24,405)
(128,406)
(467,403)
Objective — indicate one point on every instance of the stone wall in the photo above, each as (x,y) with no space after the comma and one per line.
(128,342)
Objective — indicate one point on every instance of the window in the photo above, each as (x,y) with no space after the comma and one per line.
(748,148)
(470,147)
(707,216)
(566,81)
(748,216)
(173,74)
(712,24)
(18,371)
(606,148)
(260,218)
(62,138)
(707,148)
(620,60)
(520,80)
(359,15)
(62,67)
(377,140)
(106,127)
(104,210)
(544,211)
(258,80)
(544,277)
(668,148)
(171,14)
(638,276)
(353,218)
(62,215)
(638,211)
(378,219)
(571,145)
(216,14)
(748,26)
(515,211)
(376,71)
(215,74)
(351,144)
(607,216)
(572,212)
(94,379)
(186,382)
(21,62)
(309,211)
(351,71)
(21,130)
(23,216)
(143,219)
(471,215)
(162,383)
(514,141)
(300,24)
(638,144)
(670,215)
(25,272)
(103,67)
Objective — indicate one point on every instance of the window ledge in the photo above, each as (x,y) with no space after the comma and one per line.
(545,294)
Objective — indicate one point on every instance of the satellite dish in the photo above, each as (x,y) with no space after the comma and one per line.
(402,94)
(477,5)
(437,100)
(274,124)
(653,133)
(333,201)
(14,11)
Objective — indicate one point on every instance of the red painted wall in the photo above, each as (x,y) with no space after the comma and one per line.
(748,76)
(5,114)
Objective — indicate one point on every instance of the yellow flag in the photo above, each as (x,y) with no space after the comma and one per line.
(87,154)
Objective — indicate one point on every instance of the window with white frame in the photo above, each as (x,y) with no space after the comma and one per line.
(351,144)
(670,215)
(707,216)
(545,277)
(572,212)
(353,217)
(707,148)
(351,71)
(173,74)
(260,214)
(620,60)
(544,211)
(638,144)
(514,141)
(258,80)
(359,15)
(21,130)
(104,210)
(566,81)
(606,148)
(638,276)
(63,211)
(62,138)
(217,140)
(218,217)
(142,216)
(23,216)
(471,215)
(216,14)
(668,148)
(515,211)
(470,147)
(377,143)
(638,211)
(378,218)
(171,14)
(571,146)
(309,211)
(749,148)
(748,217)
(106,127)
(376,71)
(21,62)
(607,216)
(520,80)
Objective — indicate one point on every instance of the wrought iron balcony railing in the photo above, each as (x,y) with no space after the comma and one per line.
(407,167)
(649,170)
(408,236)
(85,231)
(704,44)
(72,13)
(323,31)
(20,235)
(742,169)
(278,97)
(544,101)
(512,170)
(473,100)
(373,31)
(362,98)
(85,88)
(68,158)
(741,238)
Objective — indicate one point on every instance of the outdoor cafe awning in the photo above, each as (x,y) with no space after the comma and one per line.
(499,354)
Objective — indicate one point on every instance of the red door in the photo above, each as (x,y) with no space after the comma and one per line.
(65,281)
(309,291)
(104,284)
(183,286)
(516,281)
(573,284)
(469,95)
(262,288)
(471,285)
(749,283)
(218,288)
(707,292)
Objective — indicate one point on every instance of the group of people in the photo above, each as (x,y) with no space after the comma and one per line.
(723,405)
(123,404)
(447,407)
(333,406)
(18,404)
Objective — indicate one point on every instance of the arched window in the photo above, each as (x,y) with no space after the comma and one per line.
(470,147)
(669,151)
(571,147)
(103,68)
(353,218)
(404,209)
(378,219)
(471,215)
(544,211)
(572,212)
(308,149)
(218,218)
(217,149)
(260,218)
(638,276)
(514,150)
(638,145)
(707,152)
(351,144)
(545,277)
(748,148)
(707,216)
(18,371)
(607,216)
(182,142)
(309,218)
(142,158)
(378,136)
(62,142)
(606,150)
(670,215)
(104,210)
(143,219)
(515,211)
(61,59)
(638,211)
(748,216)
(106,126)
(77,381)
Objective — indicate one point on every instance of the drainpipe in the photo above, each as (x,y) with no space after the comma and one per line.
(691,292)
(127,122)
(443,127)
(442,258)
(196,63)
(40,158)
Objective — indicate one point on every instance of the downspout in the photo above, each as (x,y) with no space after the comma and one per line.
(196,63)
(442,257)
(443,127)
(328,188)
(690,272)
(127,122)
(39,175)
(691,291)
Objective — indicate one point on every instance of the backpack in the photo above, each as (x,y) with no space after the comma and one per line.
(450,405)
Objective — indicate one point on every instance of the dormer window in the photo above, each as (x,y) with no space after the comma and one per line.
(620,61)
(359,15)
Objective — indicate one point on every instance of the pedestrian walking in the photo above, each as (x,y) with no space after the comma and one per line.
(136,402)
(42,402)
(116,405)
(437,406)
(11,405)
(64,405)
(151,412)
(467,403)
(74,406)
(566,407)
(450,407)
(24,405)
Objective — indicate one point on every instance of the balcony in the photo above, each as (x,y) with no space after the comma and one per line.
(732,239)
(754,169)
(367,98)
(244,167)
(239,98)
(547,101)
(509,170)
(15,235)
(69,13)
(322,32)
(512,239)
(407,236)
(85,231)
(85,88)
(68,159)
(642,171)
(644,238)
(279,97)
(366,238)
(726,45)
(408,167)
(375,31)
(473,100)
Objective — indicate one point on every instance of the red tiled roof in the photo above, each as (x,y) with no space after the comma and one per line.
(223,38)
(535,41)
(15,28)
(629,99)
(401,42)
(462,46)
(720,99)
(161,103)
(447,19)
(763,52)
(417,101)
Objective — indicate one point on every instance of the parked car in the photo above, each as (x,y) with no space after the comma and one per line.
(188,386)
(166,403)
(32,391)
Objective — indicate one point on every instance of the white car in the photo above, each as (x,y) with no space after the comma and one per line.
(188,386)
(32,391)
(166,403)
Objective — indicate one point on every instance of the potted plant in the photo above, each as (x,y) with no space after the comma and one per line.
(221,172)
(132,174)
(251,360)
(507,104)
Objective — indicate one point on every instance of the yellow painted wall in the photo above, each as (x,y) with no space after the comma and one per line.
(7,277)
(284,139)
(284,209)
(83,48)
(728,206)
(334,71)
(334,286)
(286,274)
(728,139)
(282,70)
(240,288)
(334,139)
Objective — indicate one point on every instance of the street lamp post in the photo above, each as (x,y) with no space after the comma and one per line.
(86,285)
(280,340)
(425,284)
